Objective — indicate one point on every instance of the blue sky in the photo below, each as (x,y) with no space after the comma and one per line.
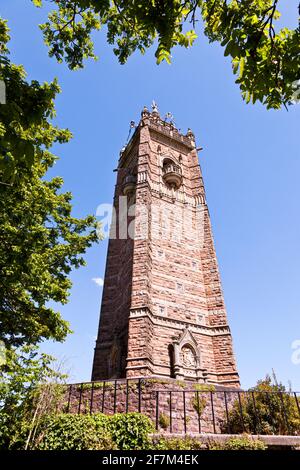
(251,171)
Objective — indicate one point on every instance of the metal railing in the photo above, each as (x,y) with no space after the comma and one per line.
(178,409)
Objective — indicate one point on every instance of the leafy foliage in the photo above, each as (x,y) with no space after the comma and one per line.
(26,131)
(70,38)
(130,431)
(176,443)
(74,432)
(272,410)
(96,431)
(266,60)
(164,420)
(239,443)
(199,401)
(40,242)
(40,239)
(29,387)
(191,443)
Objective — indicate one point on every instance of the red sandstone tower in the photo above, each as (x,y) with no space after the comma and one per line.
(163,311)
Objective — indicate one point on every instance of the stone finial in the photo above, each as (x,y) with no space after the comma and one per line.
(190,134)
(169,116)
(154,107)
(145,111)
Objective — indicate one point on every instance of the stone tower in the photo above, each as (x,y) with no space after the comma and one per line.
(163,311)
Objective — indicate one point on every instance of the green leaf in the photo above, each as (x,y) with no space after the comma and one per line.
(228,49)
(163,54)
(242,65)
(242,27)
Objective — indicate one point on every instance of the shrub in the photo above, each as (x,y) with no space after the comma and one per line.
(74,432)
(131,431)
(89,386)
(96,431)
(185,443)
(268,413)
(239,443)
(189,443)
(164,421)
(29,389)
(199,401)
(102,422)
(205,387)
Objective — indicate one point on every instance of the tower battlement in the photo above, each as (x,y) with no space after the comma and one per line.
(161,126)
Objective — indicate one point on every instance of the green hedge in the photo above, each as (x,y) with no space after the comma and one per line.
(97,431)
(129,431)
(190,443)
(239,443)
(74,432)
(177,443)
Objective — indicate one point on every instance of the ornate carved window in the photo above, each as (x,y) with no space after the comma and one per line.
(171,173)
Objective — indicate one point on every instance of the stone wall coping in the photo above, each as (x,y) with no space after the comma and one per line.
(172,381)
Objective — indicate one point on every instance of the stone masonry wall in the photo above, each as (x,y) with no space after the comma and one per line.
(172,405)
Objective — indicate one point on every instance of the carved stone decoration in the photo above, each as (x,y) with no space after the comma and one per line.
(187,360)
(172,174)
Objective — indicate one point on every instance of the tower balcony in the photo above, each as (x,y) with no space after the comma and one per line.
(172,175)
(129,183)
